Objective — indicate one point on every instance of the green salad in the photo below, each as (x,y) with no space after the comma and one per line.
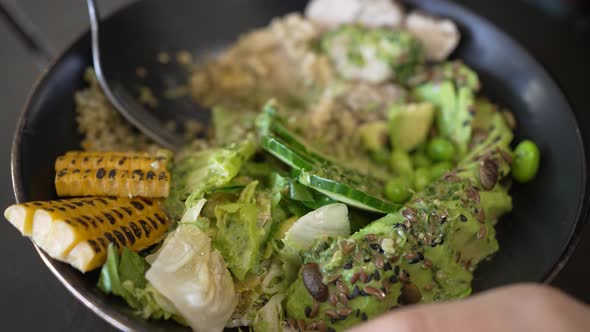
(349,170)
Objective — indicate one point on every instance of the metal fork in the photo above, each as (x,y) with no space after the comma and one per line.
(123,102)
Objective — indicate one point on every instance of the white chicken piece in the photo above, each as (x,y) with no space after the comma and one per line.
(331,13)
(376,13)
(438,35)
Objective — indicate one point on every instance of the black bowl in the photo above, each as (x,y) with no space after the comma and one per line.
(536,239)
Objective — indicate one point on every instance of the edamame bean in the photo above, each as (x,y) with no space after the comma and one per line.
(439,169)
(526,161)
(397,190)
(440,149)
(421,178)
(401,163)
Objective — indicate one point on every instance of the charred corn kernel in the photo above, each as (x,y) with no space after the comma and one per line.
(122,174)
(79,230)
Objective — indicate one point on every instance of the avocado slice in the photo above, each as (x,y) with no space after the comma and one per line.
(409,124)
(374,135)
(425,252)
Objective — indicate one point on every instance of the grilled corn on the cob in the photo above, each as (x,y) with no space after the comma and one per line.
(78,230)
(122,174)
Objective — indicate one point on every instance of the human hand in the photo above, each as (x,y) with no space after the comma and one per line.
(527,307)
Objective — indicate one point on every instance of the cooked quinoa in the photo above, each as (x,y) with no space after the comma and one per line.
(104,129)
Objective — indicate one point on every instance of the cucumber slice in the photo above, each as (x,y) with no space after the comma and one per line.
(317,172)
(286,154)
(345,194)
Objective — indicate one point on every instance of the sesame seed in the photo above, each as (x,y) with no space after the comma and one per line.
(409,213)
(348,266)
(301,325)
(364,316)
(378,293)
(407,224)
(358,312)
(331,314)
(343,299)
(481,233)
(341,287)
(348,247)
(355,293)
(363,276)
(311,326)
(379,262)
(393,279)
(375,246)
(387,266)
(314,309)
(292,323)
(333,300)
(307,311)
(420,255)
(344,311)
(376,275)
(396,270)
(412,258)
(463,218)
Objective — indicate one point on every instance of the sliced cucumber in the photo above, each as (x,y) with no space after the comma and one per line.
(345,194)
(278,149)
(315,171)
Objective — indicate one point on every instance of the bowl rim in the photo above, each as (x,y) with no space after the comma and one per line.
(122,323)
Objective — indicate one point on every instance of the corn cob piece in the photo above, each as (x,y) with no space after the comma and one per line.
(121,174)
(78,230)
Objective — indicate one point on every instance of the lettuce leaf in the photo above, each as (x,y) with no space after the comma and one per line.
(242,230)
(124,275)
(193,276)
(270,316)
(202,171)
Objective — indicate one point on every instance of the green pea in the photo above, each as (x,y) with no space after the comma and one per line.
(421,178)
(440,149)
(420,160)
(401,163)
(526,161)
(439,169)
(397,190)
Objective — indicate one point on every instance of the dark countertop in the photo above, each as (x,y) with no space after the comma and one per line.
(32,299)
